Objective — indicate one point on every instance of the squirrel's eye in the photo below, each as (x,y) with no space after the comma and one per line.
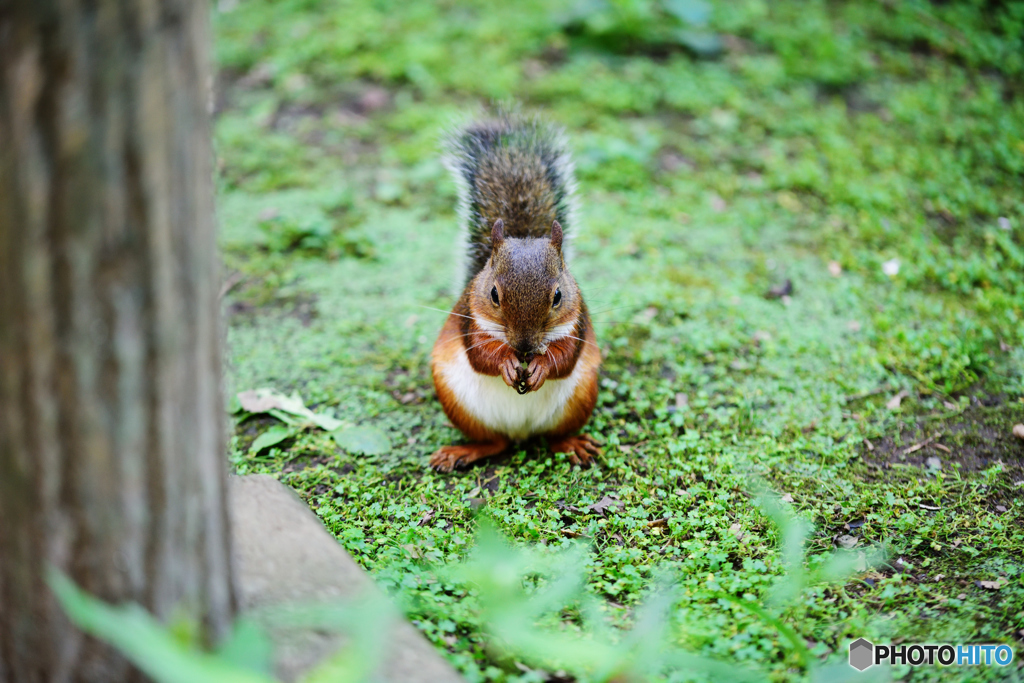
(557,299)
(494,295)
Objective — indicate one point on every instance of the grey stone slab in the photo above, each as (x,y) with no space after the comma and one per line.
(284,555)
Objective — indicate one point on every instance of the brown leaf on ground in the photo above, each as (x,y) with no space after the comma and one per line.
(780,290)
(846,541)
(256,402)
(992,585)
(894,402)
(605,503)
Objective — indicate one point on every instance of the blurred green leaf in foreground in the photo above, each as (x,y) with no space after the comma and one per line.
(519,590)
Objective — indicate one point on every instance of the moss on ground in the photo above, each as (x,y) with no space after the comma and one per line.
(870,153)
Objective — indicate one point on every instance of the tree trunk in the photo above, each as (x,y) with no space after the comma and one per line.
(111,437)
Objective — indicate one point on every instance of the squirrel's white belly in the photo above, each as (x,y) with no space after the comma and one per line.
(501,408)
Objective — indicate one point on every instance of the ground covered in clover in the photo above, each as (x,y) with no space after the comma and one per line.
(802,239)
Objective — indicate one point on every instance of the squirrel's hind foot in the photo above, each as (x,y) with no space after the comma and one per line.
(581,449)
(447,458)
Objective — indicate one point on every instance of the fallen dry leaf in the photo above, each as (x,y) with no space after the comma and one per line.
(962,596)
(846,541)
(290,409)
(1000,508)
(373,98)
(787,498)
(894,402)
(605,503)
(992,585)
(257,402)
(662,523)
(1018,431)
(916,446)
(780,290)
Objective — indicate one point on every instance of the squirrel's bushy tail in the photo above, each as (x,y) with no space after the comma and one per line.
(515,168)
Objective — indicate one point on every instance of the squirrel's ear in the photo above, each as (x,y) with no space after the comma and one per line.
(556,235)
(497,233)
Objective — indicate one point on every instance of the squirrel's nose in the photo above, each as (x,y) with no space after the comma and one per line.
(524,351)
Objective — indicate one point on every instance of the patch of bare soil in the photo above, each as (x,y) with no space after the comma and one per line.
(971,441)
(300,305)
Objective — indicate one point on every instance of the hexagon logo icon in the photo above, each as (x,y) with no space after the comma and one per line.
(862,654)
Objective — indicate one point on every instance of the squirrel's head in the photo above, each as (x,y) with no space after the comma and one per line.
(525,295)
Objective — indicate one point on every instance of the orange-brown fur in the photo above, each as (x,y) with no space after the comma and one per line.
(487,442)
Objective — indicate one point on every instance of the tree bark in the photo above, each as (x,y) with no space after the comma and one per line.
(111,413)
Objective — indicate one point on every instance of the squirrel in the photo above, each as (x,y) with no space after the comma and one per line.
(517,356)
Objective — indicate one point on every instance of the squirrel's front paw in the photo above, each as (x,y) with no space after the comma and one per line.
(510,372)
(447,458)
(581,449)
(537,372)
